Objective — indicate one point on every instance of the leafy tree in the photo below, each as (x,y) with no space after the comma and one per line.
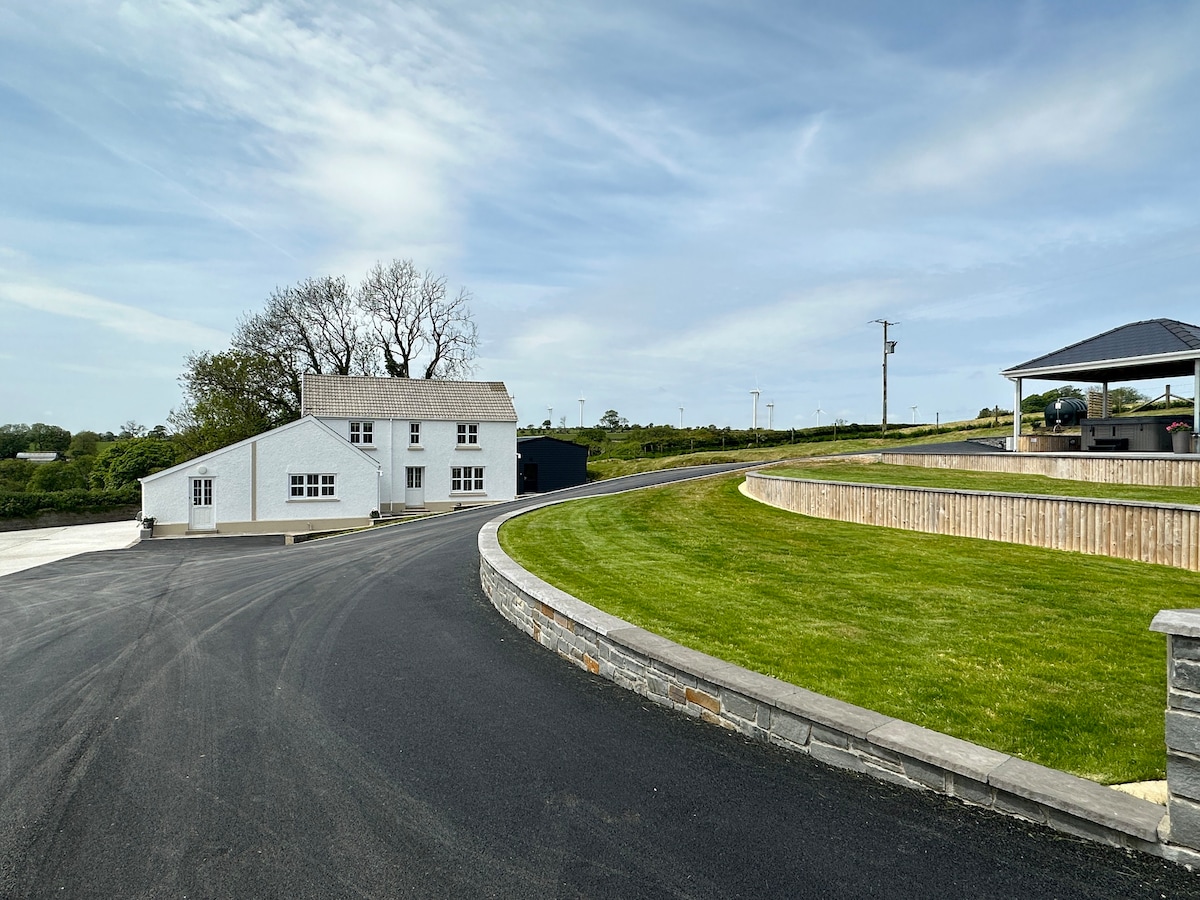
(1036,403)
(131,429)
(15,474)
(83,443)
(612,420)
(130,459)
(1122,399)
(227,397)
(48,437)
(60,476)
(13,440)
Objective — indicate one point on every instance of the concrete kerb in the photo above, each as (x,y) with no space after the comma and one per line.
(799,720)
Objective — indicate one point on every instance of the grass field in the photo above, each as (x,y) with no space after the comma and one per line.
(1042,654)
(916,476)
(613,468)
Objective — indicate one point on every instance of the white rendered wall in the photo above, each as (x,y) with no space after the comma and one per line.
(438,452)
(169,498)
(304,448)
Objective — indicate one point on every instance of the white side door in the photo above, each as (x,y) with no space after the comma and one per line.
(414,486)
(201,516)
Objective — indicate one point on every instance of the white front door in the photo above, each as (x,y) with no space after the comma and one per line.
(201,516)
(414,486)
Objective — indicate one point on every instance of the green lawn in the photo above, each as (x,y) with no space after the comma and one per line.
(1042,654)
(916,476)
(599,469)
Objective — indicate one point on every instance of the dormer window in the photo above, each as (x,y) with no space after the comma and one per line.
(362,433)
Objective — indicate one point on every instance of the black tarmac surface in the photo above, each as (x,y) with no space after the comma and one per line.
(351,718)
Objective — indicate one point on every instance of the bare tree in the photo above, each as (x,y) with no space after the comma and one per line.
(416,327)
(313,326)
(399,320)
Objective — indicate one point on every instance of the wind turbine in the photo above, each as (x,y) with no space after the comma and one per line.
(681,418)
(754,417)
(581,411)
(771,416)
(819,411)
(914,409)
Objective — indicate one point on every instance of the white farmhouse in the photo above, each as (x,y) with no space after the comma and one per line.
(363,445)
(439,444)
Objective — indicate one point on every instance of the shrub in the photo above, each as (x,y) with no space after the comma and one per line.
(26,504)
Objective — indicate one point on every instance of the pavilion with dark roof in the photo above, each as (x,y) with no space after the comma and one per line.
(1155,348)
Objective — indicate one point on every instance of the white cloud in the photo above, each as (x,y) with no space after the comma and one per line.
(1012,125)
(128,320)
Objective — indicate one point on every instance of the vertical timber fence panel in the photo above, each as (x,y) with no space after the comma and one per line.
(1143,532)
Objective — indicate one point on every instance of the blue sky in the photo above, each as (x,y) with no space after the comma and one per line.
(654,205)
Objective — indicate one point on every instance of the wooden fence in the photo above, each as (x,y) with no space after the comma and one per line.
(1145,532)
(1156,469)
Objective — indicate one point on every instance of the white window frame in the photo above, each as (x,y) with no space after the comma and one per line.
(312,486)
(362,432)
(468,434)
(414,434)
(466,480)
(414,478)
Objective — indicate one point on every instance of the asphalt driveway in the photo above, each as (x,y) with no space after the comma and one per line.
(351,718)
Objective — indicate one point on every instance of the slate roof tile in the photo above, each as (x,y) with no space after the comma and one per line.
(347,396)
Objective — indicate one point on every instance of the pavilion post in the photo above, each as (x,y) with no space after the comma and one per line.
(1017,383)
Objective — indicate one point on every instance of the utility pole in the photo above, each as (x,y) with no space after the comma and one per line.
(889,347)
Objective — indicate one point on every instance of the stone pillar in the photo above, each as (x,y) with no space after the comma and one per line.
(1182,628)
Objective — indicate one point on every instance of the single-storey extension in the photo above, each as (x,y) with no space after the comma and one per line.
(302,476)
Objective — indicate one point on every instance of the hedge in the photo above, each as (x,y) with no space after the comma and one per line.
(27,504)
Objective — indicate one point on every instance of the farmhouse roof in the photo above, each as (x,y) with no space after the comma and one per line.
(346,396)
(1155,348)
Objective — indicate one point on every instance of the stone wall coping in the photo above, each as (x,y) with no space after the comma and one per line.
(1095,501)
(1077,798)
(1185,622)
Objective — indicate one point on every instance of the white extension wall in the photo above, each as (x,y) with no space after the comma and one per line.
(251,483)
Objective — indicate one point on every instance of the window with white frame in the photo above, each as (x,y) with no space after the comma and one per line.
(414,434)
(466,478)
(468,435)
(312,486)
(362,433)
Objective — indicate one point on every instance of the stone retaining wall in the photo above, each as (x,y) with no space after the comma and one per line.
(1144,532)
(60,519)
(791,717)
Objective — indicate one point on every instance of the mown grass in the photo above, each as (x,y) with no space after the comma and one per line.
(916,476)
(1042,654)
(600,469)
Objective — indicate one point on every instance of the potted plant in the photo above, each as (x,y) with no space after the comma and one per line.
(1181,436)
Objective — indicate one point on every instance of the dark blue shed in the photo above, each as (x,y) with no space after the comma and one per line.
(549,464)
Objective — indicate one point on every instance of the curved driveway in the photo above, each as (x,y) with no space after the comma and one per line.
(350,718)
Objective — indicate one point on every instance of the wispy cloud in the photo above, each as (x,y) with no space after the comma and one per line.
(128,320)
